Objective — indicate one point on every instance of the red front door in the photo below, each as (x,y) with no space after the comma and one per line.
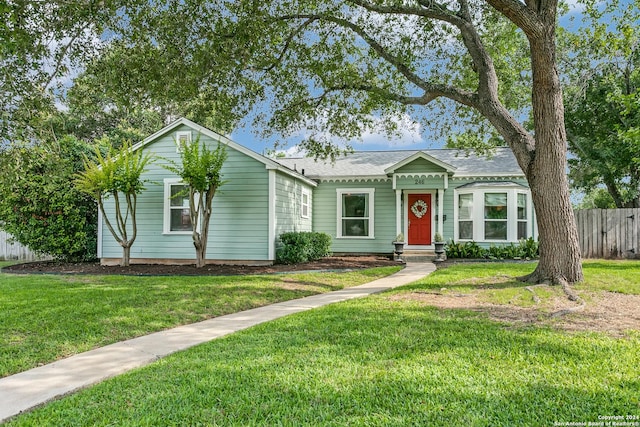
(419,221)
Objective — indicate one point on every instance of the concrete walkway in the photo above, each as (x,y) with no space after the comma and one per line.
(26,390)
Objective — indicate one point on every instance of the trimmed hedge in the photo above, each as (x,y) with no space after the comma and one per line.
(303,246)
(525,249)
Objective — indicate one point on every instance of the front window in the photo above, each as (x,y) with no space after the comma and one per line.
(177,212)
(355,216)
(495,216)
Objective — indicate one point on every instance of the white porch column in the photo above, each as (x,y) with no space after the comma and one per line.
(440,210)
(399,212)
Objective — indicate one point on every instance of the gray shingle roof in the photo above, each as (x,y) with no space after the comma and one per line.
(373,163)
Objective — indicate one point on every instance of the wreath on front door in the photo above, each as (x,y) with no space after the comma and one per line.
(419,208)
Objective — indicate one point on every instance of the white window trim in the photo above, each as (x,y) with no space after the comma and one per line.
(180,135)
(478,214)
(307,193)
(166,227)
(371,193)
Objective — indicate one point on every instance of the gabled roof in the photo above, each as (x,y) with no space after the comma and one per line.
(419,155)
(269,163)
(378,164)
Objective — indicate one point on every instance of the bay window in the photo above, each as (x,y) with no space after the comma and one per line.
(493,212)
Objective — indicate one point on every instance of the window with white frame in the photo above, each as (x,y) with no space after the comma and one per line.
(355,213)
(465,216)
(495,216)
(177,213)
(182,137)
(523,216)
(498,213)
(304,204)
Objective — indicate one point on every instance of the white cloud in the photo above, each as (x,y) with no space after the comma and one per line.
(294,151)
(398,131)
(410,133)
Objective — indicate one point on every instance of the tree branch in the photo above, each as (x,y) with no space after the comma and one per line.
(523,16)
(287,43)
(377,47)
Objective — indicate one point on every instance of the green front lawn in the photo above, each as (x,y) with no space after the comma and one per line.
(384,360)
(47,317)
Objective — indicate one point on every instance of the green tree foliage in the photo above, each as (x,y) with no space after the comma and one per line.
(40,44)
(598,198)
(116,175)
(200,169)
(602,102)
(37,204)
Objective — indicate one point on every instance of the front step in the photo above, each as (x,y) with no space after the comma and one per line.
(425,255)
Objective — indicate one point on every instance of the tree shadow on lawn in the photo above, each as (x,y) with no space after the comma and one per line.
(372,362)
(614,266)
(500,281)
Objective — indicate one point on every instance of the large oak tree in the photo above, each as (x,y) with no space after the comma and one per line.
(341,63)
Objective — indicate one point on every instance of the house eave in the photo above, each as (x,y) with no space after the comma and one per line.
(487,177)
(353,178)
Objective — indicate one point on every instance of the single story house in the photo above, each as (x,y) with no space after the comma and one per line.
(362,200)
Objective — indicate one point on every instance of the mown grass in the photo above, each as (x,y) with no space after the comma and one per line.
(497,282)
(47,317)
(373,362)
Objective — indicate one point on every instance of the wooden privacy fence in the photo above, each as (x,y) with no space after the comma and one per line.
(609,233)
(14,251)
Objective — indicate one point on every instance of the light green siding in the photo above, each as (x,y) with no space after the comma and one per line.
(419,165)
(419,182)
(239,224)
(289,216)
(325,216)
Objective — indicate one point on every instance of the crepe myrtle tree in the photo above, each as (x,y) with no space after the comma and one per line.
(200,170)
(116,175)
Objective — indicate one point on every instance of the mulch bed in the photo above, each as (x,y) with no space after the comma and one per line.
(335,263)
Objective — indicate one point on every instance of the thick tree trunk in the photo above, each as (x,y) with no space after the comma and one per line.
(560,260)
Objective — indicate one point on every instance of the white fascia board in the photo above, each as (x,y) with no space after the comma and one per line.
(347,178)
(491,176)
